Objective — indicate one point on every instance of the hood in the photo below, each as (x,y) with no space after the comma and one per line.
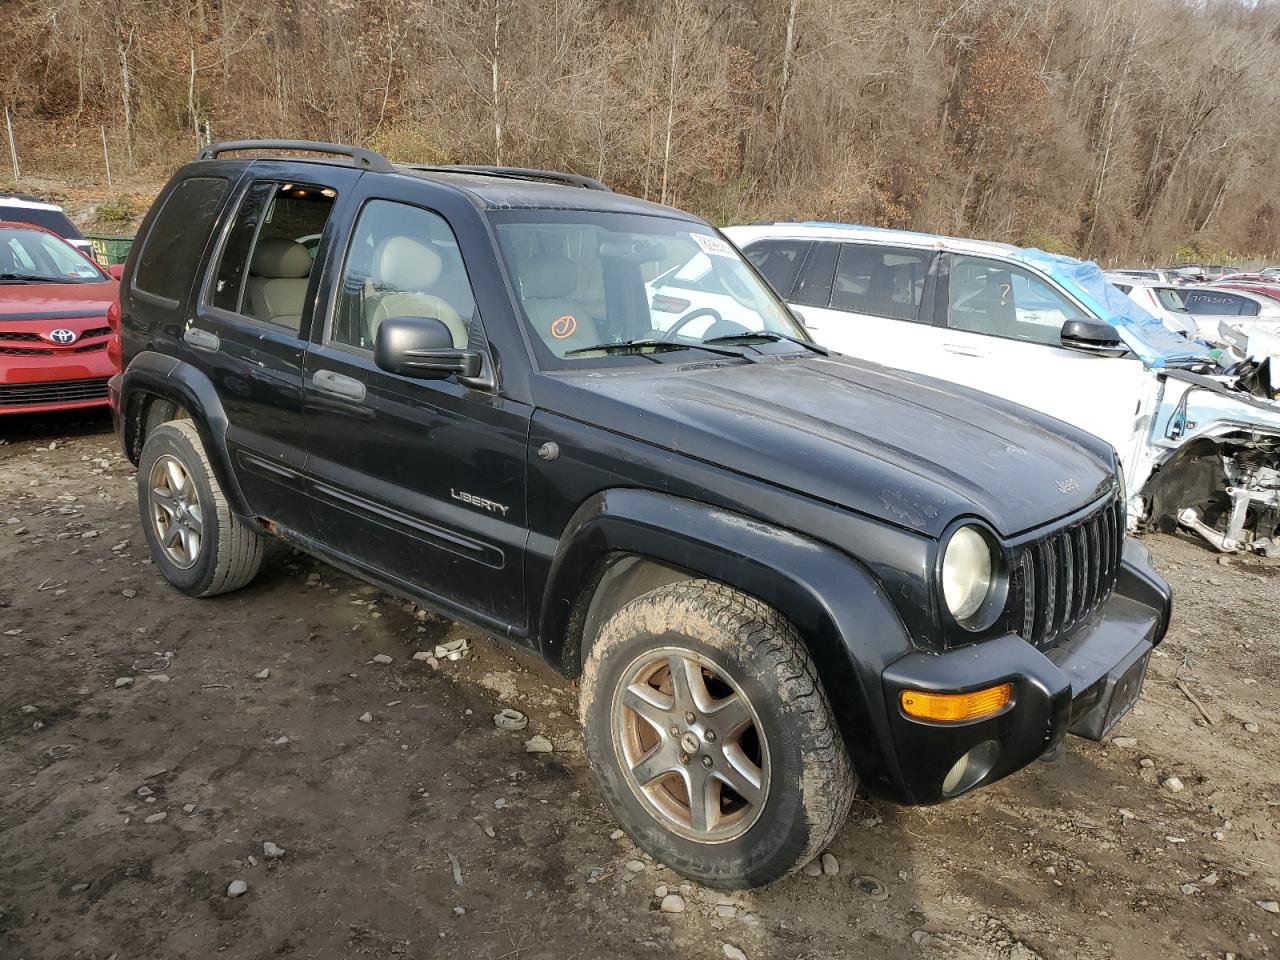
(907,449)
(55,301)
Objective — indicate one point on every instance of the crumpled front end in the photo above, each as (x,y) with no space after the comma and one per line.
(1216,455)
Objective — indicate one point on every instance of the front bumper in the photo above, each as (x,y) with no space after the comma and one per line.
(72,379)
(1082,686)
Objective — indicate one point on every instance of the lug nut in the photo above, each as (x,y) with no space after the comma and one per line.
(689,717)
(706,762)
(674,730)
(709,736)
(684,758)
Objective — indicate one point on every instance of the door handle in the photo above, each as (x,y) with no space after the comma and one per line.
(201,339)
(963,351)
(327,381)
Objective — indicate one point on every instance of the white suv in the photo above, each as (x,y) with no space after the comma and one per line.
(1200,448)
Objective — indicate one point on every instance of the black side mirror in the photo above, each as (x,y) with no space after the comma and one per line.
(1093,336)
(422,347)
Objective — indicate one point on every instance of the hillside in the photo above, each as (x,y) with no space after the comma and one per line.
(1142,129)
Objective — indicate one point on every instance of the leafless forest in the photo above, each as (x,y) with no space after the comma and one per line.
(1134,129)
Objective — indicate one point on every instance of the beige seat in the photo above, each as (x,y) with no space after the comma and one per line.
(563,322)
(404,272)
(277,287)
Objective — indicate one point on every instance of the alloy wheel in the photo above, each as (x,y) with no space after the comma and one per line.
(175,511)
(691,745)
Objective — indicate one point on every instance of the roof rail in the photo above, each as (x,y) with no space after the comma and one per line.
(360,157)
(514,173)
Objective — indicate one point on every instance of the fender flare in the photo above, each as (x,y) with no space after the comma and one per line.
(843,614)
(154,374)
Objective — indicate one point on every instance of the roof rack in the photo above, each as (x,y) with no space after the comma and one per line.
(514,173)
(360,157)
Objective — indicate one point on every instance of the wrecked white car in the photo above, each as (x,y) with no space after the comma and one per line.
(1200,444)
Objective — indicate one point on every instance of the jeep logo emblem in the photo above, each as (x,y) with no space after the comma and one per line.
(62,336)
(1069,485)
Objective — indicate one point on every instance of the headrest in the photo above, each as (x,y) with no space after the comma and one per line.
(403,263)
(548,276)
(277,259)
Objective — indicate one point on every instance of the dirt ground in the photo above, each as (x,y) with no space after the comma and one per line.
(386,824)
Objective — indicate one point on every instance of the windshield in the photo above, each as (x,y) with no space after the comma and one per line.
(595,280)
(34,256)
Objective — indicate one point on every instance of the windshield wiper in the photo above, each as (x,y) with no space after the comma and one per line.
(770,335)
(31,278)
(667,346)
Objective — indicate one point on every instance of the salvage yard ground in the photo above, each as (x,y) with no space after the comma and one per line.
(127,808)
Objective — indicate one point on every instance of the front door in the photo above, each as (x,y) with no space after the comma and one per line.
(249,331)
(421,482)
(1003,336)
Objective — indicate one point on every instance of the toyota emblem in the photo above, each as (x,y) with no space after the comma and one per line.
(62,336)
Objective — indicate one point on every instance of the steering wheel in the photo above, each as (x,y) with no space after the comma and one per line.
(689,318)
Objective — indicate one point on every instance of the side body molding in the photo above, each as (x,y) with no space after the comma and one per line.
(842,613)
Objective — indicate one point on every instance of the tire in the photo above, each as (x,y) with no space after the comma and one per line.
(787,753)
(225,554)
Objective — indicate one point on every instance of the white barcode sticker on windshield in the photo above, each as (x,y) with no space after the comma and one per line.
(713,246)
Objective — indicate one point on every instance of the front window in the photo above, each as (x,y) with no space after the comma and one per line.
(32,256)
(602,280)
(998,299)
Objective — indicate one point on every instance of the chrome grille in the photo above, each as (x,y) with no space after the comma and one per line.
(1067,574)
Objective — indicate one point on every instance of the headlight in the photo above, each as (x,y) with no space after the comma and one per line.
(967,573)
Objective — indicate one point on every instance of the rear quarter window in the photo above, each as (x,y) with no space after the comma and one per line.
(1212,303)
(172,248)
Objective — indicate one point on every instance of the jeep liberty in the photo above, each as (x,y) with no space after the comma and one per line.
(776,573)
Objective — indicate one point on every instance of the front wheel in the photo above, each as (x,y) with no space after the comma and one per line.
(710,735)
(199,545)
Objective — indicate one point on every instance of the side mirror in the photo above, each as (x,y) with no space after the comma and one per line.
(116,270)
(1093,336)
(422,347)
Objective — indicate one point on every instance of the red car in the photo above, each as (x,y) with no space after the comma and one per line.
(57,346)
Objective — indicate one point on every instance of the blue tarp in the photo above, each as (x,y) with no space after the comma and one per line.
(1146,336)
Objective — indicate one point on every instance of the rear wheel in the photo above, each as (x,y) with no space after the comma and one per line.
(199,545)
(711,737)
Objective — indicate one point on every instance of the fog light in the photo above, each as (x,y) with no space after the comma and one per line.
(956,707)
(967,772)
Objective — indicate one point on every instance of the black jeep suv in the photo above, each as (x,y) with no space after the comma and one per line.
(775,572)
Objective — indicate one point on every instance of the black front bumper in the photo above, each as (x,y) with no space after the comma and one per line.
(1082,686)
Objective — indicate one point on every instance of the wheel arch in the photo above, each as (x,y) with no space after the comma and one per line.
(154,379)
(622,543)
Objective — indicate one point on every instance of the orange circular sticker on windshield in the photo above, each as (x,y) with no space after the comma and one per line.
(563,327)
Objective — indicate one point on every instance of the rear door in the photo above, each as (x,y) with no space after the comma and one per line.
(870,301)
(250,324)
(421,482)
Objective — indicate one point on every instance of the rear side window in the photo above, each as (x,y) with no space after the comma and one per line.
(814,289)
(1211,303)
(50,219)
(266,262)
(880,281)
(173,246)
(778,261)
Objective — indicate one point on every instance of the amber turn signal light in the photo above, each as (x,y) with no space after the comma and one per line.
(956,707)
